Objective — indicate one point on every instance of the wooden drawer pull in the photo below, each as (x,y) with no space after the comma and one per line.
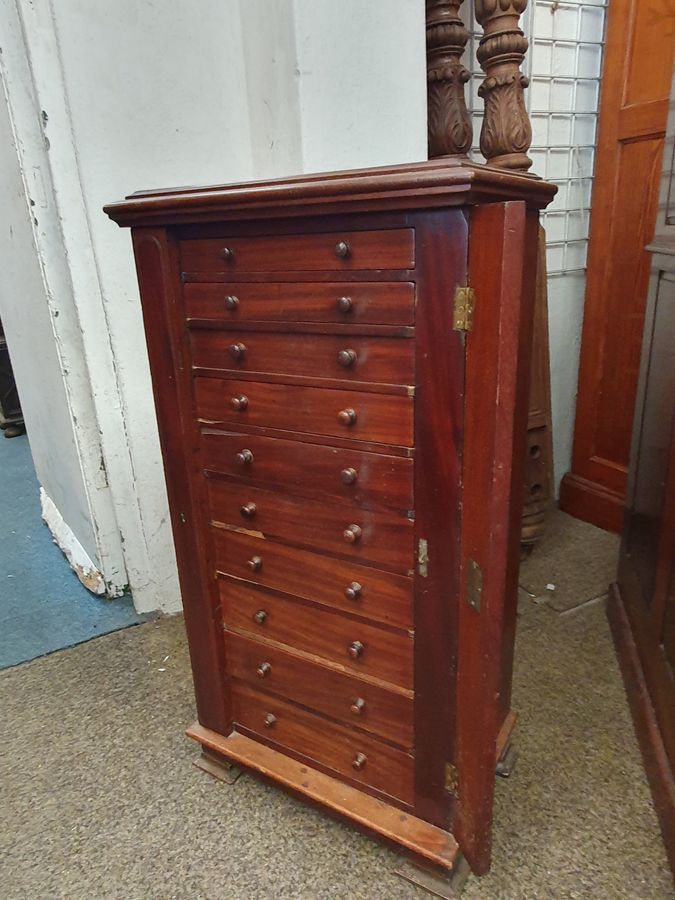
(263,670)
(344,304)
(244,457)
(255,563)
(248,510)
(347,417)
(237,351)
(231,302)
(342,249)
(260,617)
(358,706)
(227,253)
(346,358)
(352,534)
(355,649)
(359,761)
(270,720)
(349,476)
(353,591)
(239,403)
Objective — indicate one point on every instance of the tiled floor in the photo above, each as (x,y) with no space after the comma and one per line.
(43,605)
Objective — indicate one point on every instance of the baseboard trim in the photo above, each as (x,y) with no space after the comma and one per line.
(656,763)
(592,502)
(72,549)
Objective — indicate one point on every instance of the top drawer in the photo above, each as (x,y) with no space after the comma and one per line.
(334,252)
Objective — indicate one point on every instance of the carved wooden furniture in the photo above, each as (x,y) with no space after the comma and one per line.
(638,62)
(505,139)
(344,463)
(642,605)
(340,365)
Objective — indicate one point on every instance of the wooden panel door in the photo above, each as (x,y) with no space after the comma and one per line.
(633,112)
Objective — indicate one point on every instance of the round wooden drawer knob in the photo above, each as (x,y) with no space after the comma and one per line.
(270,720)
(359,761)
(355,649)
(358,706)
(231,302)
(344,304)
(227,253)
(352,534)
(244,458)
(353,591)
(237,351)
(342,249)
(260,617)
(263,670)
(347,417)
(239,403)
(348,476)
(255,563)
(346,358)
(248,510)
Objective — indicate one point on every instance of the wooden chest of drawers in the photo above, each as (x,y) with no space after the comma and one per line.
(343,450)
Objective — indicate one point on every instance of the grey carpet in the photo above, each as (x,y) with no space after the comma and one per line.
(575,558)
(99,798)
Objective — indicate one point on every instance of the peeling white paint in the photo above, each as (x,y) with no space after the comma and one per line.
(73,550)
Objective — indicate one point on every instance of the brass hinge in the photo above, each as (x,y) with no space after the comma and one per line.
(451,778)
(464,302)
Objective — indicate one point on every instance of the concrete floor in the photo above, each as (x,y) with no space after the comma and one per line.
(99,799)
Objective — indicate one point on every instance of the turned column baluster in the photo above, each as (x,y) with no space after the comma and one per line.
(449,123)
(506,134)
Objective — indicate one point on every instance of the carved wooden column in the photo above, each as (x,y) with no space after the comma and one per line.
(506,134)
(505,138)
(449,123)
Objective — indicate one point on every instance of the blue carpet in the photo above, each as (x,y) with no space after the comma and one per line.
(43,605)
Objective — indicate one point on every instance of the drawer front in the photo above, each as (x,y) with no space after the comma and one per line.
(355,415)
(355,645)
(338,251)
(385,713)
(370,359)
(381,537)
(380,596)
(352,475)
(369,303)
(353,755)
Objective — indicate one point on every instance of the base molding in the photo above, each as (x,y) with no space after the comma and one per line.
(406,833)
(657,767)
(592,502)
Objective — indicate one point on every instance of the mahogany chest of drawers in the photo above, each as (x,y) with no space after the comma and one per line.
(340,368)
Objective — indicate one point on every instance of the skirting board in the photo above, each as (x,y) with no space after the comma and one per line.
(73,550)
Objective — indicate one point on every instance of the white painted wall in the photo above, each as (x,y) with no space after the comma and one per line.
(27,320)
(143,94)
(362,77)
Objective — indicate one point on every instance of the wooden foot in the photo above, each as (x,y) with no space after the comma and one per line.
(448,886)
(217,766)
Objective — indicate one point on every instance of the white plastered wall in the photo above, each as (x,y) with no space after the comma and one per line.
(142,94)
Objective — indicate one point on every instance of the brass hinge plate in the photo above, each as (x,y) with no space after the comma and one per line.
(451,778)
(463,306)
